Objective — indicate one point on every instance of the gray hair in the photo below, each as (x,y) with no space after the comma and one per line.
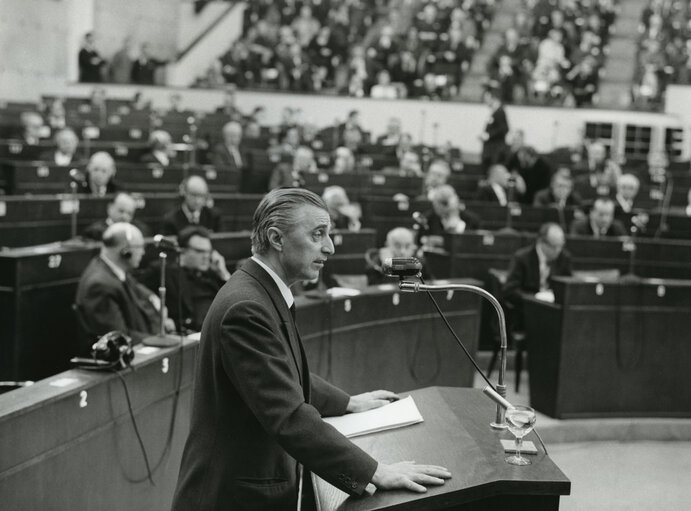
(277,209)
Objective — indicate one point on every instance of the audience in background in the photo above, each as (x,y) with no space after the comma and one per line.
(437,175)
(109,298)
(344,214)
(447,216)
(91,64)
(501,186)
(534,170)
(194,209)
(400,242)
(145,66)
(119,210)
(192,285)
(100,173)
(597,174)
(494,148)
(627,190)
(531,269)
(162,152)
(32,126)
(600,222)
(121,64)
(560,193)
(65,152)
(227,154)
(286,174)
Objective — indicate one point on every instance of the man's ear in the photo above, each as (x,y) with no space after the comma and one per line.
(275,237)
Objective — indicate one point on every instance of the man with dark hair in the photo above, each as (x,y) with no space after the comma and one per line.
(256,418)
(534,170)
(600,222)
(109,298)
(194,209)
(90,61)
(121,209)
(192,285)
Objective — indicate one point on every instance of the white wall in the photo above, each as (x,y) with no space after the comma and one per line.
(215,42)
(191,25)
(460,123)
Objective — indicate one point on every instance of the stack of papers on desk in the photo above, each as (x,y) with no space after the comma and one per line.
(394,415)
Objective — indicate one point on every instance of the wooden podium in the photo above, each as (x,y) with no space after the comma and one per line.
(455,434)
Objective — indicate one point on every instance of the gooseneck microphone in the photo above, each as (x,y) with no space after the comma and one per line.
(162,242)
(402,266)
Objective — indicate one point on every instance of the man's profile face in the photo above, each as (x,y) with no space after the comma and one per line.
(136,248)
(307,245)
(602,215)
(197,254)
(100,172)
(437,175)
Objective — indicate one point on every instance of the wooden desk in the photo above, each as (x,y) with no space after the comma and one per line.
(611,349)
(456,435)
(386,339)
(38,331)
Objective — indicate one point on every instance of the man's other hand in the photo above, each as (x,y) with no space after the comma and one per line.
(409,476)
(370,400)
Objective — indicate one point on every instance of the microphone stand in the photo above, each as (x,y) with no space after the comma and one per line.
(75,210)
(666,205)
(415,287)
(162,340)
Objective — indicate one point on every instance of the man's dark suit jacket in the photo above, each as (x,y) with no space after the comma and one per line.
(257,409)
(174,221)
(223,160)
(196,291)
(486,193)
(150,158)
(524,273)
(582,227)
(105,304)
(494,150)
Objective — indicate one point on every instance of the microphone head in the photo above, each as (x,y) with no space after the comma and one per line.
(420,220)
(162,241)
(402,266)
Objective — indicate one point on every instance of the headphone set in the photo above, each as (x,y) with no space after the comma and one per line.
(111,351)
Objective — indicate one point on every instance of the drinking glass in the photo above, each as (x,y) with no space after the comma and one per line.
(520,420)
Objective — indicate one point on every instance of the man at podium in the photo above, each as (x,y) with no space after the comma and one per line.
(257,410)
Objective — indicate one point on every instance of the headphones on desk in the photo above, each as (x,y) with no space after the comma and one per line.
(112,351)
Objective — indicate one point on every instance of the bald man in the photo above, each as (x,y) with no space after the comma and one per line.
(65,152)
(109,298)
(194,209)
(121,209)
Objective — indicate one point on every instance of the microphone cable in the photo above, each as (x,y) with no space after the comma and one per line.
(472,360)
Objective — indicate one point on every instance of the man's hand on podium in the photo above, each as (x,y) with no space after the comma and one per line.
(369,400)
(408,475)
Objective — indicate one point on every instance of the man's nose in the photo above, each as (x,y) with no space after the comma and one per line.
(328,246)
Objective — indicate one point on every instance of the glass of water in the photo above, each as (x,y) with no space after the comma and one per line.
(520,420)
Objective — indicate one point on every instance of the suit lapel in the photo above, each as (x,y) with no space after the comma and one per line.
(287,324)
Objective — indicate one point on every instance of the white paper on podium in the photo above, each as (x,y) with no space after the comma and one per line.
(400,413)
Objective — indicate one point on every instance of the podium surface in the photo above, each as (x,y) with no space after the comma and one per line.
(455,434)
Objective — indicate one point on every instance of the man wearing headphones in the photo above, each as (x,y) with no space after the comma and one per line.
(109,298)
(194,209)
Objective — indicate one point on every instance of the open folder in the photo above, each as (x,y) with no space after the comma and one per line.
(394,415)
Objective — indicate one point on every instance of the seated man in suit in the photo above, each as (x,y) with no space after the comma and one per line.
(291,175)
(65,153)
(121,209)
(437,175)
(344,214)
(600,222)
(100,172)
(534,170)
(501,186)
(597,175)
(531,268)
(194,210)
(227,154)
(109,298)
(447,216)
(257,409)
(162,152)
(560,193)
(627,190)
(193,283)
